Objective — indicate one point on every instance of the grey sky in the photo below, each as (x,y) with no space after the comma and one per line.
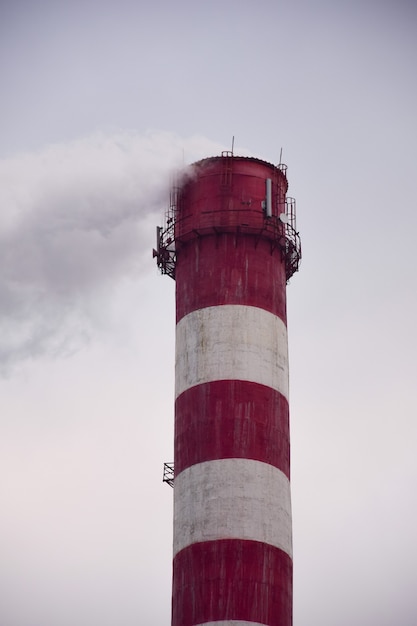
(100,102)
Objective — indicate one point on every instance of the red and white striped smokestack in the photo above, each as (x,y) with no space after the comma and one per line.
(230,243)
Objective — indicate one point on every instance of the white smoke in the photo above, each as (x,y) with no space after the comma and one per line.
(75,219)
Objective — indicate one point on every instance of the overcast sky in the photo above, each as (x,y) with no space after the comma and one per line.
(101,102)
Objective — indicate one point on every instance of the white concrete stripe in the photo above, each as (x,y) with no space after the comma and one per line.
(232,499)
(232,622)
(231,342)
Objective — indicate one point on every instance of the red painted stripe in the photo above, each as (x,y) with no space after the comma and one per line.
(232,579)
(231,419)
(229,269)
(221,194)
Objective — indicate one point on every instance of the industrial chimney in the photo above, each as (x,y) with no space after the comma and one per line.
(231,244)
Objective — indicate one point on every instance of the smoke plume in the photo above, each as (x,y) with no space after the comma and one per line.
(76,218)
